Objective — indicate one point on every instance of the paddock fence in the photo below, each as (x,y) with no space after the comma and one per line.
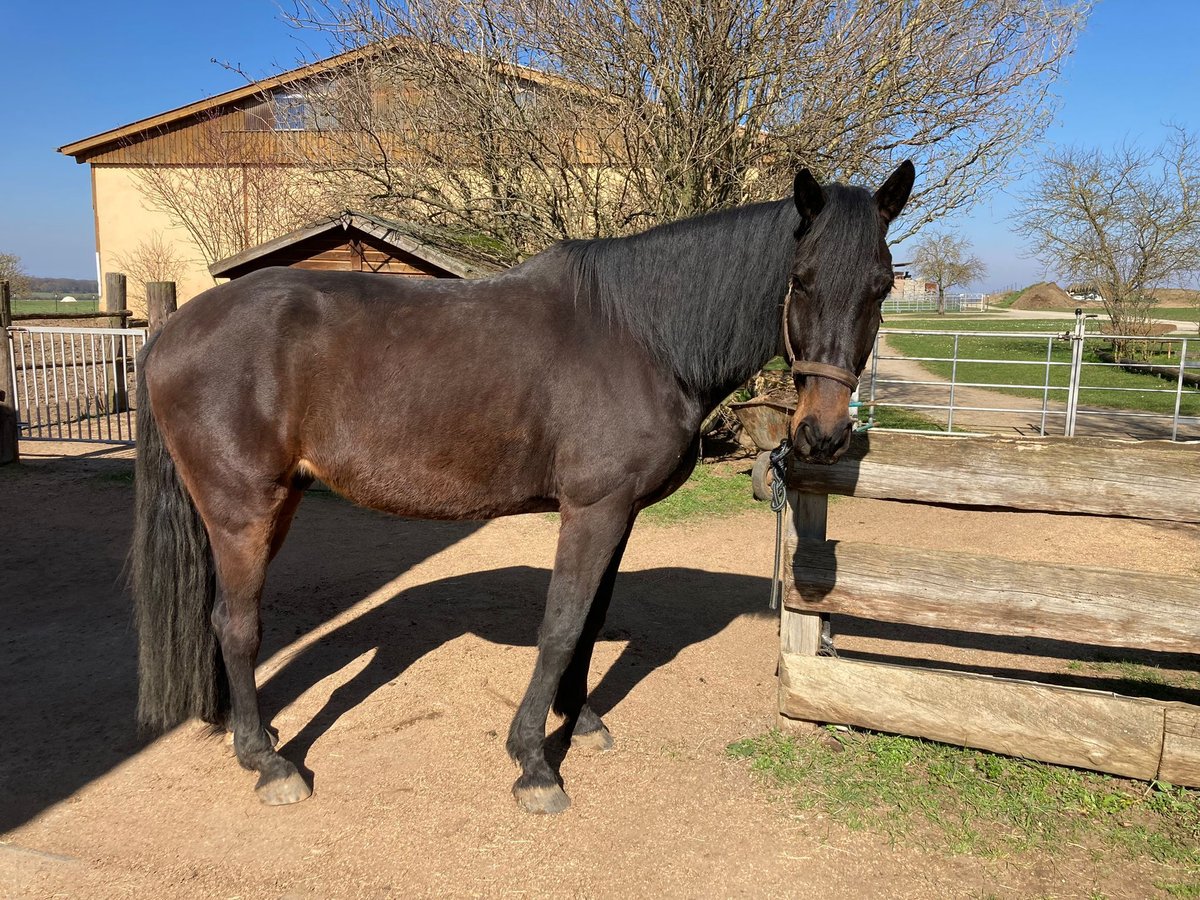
(74,384)
(1080,608)
(62,381)
(927,302)
(1062,382)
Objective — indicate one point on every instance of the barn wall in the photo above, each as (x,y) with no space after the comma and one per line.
(125,218)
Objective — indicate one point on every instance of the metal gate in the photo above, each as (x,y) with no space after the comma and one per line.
(75,384)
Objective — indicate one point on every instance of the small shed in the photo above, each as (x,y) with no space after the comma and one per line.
(357,242)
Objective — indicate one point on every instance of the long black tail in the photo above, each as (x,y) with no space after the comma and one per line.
(180,671)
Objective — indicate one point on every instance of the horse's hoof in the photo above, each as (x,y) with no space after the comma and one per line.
(597,741)
(282,791)
(542,800)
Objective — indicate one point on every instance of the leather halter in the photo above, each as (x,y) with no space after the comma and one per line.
(808,367)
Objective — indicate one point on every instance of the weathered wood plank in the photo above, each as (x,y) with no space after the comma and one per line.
(1087,729)
(939,589)
(1181,745)
(1138,479)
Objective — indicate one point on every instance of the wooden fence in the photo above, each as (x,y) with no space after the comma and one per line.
(1130,736)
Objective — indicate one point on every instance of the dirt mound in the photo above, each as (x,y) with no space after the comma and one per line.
(1046,295)
(1175,296)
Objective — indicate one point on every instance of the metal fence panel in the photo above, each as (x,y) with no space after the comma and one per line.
(75,384)
(1056,404)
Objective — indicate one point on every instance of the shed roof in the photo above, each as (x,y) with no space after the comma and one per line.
(425,244)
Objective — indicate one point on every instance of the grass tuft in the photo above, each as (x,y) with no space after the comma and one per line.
(713,490)
(979,803)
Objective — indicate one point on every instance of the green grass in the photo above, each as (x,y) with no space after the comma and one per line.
(45,303)
(978,803)
(1095,379)
(713,490)
(893,417)
(1178,313)
(1007,300)
(1139,679)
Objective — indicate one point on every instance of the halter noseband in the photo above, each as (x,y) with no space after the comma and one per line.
(807,367)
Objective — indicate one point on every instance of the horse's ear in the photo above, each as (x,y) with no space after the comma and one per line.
(810,199)
(892,196)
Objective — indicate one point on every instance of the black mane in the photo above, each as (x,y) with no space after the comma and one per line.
(702,295)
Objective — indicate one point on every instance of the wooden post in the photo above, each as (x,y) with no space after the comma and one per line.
(114,297)
(114,302)
(9,451)
(800,632)
(160,303)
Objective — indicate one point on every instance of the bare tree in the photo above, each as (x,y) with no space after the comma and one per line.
(540,119)
(1126,220)
(154,259)
(948,261)
(233,192)
(13,272)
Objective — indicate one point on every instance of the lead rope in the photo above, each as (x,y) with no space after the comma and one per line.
(778,469)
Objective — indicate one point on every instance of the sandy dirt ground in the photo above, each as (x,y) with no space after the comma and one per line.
(395,653)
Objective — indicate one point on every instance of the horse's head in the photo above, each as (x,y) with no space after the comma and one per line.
(841,273)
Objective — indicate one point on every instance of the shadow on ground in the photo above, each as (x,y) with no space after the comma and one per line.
(68,663)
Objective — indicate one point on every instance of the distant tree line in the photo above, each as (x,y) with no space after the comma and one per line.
(61,285)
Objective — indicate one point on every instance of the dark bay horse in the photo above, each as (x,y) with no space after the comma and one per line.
(581,379)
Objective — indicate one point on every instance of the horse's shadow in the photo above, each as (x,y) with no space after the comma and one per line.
(659,612)
(68,659)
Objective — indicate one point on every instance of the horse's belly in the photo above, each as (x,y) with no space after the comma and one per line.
(438,479)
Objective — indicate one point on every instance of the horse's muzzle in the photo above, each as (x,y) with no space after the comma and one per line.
(813,442)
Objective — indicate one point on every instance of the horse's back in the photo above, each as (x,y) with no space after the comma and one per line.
(418,396)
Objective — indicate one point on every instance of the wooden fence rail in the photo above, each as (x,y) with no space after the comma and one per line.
(1129,736)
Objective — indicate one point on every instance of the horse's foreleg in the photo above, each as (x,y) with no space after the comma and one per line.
(588,540)
(587,728)
(241,550)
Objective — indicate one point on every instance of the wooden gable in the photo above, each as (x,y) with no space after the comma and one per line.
(352,242)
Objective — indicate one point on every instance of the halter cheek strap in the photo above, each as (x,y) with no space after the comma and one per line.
(806,367)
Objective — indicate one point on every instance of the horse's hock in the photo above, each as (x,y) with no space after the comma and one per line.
(1130,736)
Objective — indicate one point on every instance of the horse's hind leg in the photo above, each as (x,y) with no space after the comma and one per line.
(588,538)
(588,729)
(243,541)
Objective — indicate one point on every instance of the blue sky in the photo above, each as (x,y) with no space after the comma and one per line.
(81,68)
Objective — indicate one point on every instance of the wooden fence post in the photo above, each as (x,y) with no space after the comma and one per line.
(160,303)
(114,302)
(9,451)
(114,297)
(800,633)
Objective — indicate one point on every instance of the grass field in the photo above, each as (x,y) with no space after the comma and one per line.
(39,304)
(918,792)
(1178,313)
(1026,364)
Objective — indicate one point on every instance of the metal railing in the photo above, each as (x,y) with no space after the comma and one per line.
(1057,396)
(75,384)
(928,303)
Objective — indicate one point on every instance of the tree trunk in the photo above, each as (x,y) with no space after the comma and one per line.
(941,300)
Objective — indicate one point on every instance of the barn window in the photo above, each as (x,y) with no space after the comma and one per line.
(290,111)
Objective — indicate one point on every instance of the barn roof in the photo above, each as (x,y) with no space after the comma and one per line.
(85,148)
(423,243)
